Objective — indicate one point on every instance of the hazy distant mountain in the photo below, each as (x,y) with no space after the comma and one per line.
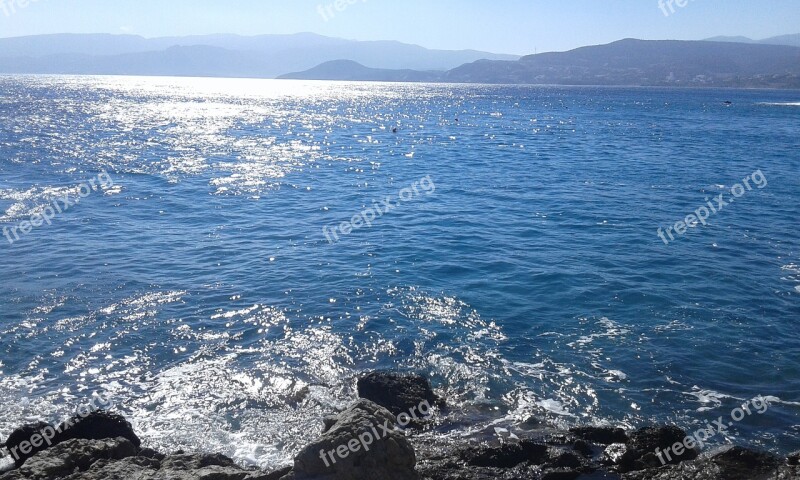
(627,62)
(257,56)
(640,62)
(793,40)
(790,40)
(347,70)
(730,39)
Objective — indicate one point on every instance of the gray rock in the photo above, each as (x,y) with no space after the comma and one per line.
(68,457)
(131,468)
(98,425)
(732,463)
(350,450)
(116,459)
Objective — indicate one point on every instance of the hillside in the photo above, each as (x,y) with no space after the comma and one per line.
(627,62)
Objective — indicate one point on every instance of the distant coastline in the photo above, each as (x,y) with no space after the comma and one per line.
(628,62)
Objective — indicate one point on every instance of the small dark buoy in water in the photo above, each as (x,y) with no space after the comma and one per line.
(394,130)
(728,102)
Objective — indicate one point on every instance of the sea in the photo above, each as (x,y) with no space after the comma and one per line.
(222,258)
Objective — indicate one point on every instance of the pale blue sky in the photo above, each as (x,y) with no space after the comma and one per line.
(504,26)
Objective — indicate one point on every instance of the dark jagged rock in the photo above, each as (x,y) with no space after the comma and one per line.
(583,447)
(97,426)
(561,474)
(103,446)
(117,459)
(22,437)
(639,452)
(738,462)
(506,456)
(66,458)
(150,453)
(732,463)
(276,475)
(400,394)
(359,444)
(566,460)
(600,435)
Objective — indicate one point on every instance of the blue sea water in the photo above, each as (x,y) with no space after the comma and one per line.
(198,290)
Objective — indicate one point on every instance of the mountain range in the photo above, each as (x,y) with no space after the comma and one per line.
(790,40)
(717,62)
(627,62)
(263,56)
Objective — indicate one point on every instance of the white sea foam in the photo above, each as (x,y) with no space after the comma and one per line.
(781,104)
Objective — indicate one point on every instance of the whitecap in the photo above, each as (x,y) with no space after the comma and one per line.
(554,406)
(709,399)
(781,104)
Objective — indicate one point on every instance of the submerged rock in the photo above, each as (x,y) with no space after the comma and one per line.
(358,444)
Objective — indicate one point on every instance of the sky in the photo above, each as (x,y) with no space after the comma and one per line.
(500,26)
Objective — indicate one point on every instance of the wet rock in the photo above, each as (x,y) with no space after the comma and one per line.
(19,443)
(400,394)
(276,475)
(97,425)
(506,456)
(793,459)
(732,463)
(613,454)
(561,474)
(583,447)
(641,448)
(563,459)
(150,453)
(360,444)
(66,458)
(117,459)
(600,435)
(132,468)
(738,462)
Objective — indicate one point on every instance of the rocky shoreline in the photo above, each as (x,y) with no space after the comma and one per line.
(388,434)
